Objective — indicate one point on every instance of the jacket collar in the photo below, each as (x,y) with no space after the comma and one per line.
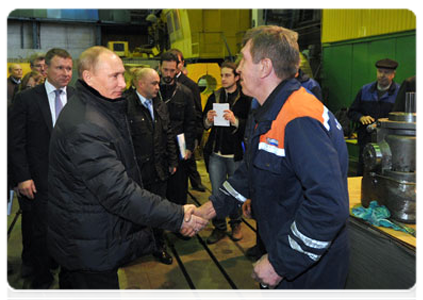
(273,104)
(391,89)
(118,105)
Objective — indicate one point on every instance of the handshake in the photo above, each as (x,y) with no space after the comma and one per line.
(196,218)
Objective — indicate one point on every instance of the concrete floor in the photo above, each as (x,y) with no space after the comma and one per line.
(196,265)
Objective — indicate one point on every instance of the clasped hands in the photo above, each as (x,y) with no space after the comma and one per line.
(196,218)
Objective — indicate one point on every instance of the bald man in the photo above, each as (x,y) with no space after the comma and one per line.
(154,141)
(13,81)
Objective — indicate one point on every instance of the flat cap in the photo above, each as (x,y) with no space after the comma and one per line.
(386,64)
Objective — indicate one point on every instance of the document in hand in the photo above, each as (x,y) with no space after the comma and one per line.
(220,108)
(180,138)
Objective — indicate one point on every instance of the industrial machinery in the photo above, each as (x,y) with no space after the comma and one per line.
(390,166)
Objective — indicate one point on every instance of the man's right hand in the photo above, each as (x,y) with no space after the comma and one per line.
(27,188)
(366,120)
(210,115)
(191,224)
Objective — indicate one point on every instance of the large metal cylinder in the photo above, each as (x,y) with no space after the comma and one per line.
(390,167)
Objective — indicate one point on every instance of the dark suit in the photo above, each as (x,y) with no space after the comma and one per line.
(191,165)
(30,126)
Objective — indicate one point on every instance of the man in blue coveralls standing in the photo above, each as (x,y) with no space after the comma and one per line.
(294,171)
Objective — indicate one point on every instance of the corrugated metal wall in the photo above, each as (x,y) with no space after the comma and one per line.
(347,24)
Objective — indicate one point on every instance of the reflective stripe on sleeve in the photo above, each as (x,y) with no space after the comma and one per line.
(309,242)
(295,246)
(325,117)
(229,189)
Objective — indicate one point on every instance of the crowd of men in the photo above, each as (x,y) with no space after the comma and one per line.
(101,172)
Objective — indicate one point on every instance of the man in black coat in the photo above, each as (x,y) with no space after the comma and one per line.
(193,175)
(99,212)
(154,141)
(13,81)
(225,146)
(180,104)
(33,115)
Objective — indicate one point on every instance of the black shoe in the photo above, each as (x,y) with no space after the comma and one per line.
(163,257)
(40,296)
(254,253)
(216,236)
(26,270)
(199,188)
(42,283)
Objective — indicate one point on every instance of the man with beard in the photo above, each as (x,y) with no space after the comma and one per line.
(180,104)
(192,172)
(374,101)
(225,145)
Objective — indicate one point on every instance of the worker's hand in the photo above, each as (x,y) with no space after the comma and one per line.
(191,224)
(172,170)
(366,120)
(188,154)
(264,273)
(27,188)
(229,115)
(210,115)
(246,209)
(206,211)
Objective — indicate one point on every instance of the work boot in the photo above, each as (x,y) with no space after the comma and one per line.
(236,232)
(216,236)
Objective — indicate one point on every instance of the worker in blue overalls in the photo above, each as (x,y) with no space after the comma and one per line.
(374,101)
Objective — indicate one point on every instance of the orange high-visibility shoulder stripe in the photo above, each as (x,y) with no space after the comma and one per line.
(299,104)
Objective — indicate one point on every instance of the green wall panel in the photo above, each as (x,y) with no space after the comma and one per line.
(361,70)
(348,65)
(337,62)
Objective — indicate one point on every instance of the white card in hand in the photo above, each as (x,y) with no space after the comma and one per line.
(220,108)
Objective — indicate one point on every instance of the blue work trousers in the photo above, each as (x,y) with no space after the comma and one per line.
(220,169)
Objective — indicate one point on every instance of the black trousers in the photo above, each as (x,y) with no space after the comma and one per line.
(88,280)
(193,175)
(158,188)
(34,237)
(26,224)
(177,185)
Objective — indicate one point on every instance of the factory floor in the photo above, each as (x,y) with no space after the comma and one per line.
(196,265)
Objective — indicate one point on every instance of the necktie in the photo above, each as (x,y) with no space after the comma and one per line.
(58,103)
(149,105)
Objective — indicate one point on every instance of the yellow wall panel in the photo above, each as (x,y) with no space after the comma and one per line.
(347,24)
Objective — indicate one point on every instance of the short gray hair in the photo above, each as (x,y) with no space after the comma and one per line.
(278,44)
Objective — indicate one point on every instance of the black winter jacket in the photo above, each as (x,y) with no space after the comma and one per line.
(228,140)
(98,210)
(154,142)
(180,105)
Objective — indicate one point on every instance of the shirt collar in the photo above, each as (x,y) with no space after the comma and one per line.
(142,98)
(51,88)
